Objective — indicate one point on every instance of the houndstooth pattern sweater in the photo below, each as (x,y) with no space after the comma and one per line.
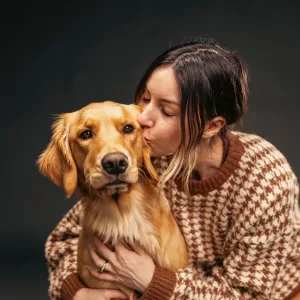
(241,227)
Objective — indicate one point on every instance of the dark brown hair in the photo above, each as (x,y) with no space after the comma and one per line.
(213,82)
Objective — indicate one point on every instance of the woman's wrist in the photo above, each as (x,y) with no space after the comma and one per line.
(147,279)
(161,286)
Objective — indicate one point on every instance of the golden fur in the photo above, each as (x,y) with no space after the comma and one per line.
(131,211)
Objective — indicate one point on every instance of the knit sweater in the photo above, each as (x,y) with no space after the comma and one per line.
(241,227)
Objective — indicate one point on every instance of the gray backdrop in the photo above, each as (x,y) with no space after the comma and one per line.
(59,57)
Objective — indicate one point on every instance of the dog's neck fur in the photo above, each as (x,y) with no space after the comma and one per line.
(127,219)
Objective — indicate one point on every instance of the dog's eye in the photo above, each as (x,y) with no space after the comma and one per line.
(128,128)
(85,135)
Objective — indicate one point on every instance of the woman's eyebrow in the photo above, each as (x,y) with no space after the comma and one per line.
(164,100)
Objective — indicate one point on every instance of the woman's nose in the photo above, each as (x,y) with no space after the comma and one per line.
(145,119)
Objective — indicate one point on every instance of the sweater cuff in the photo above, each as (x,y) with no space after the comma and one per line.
(70,286)
(161,286)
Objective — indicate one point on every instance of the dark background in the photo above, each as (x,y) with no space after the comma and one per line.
(58,57)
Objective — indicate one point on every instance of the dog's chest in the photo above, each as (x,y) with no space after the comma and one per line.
(112,225)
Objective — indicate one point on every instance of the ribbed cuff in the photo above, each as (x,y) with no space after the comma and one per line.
(161,286)
(71,285)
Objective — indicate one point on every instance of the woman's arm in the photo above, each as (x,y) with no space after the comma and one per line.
(61,255)
(254,259)
(254,255)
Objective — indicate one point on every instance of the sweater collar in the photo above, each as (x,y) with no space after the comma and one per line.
(235,152)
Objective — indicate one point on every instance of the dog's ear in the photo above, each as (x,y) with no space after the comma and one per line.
(148,164)
(146,151)
(57,162)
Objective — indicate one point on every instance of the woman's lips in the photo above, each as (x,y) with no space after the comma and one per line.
(147,141)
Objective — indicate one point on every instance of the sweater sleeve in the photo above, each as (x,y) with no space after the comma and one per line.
(254,254)
(61,255)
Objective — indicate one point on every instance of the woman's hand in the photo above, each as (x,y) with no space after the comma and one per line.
(133,268)
(99,294)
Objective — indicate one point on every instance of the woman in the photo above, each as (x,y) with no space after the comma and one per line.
(233,194)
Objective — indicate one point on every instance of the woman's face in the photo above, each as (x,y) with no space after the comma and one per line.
(161,116)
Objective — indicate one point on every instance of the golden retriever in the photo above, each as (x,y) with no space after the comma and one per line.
(99,151)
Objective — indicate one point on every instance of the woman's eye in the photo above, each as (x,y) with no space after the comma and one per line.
(128,129)
(165,114)
(85,135)
(145,100)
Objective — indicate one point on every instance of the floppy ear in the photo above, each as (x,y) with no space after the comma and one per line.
(148,164)
(57,162)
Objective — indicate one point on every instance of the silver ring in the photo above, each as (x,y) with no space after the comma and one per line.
(102,268)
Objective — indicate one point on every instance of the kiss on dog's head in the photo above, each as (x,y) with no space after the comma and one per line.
(98,148)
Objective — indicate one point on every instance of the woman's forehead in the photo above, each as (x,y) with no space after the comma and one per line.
(163,84)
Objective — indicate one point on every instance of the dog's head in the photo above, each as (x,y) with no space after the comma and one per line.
(98,147)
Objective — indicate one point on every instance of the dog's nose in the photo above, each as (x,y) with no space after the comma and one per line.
(114,163)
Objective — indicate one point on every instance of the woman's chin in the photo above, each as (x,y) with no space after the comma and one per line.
(154,153)
(157,153)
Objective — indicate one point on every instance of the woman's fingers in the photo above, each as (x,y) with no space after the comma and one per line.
(137,248)
(104,251)
(115,294)
(99,262)
(103,276)
(129,264)
(99,294)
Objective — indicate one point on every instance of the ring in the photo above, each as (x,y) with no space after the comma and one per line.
(101,269)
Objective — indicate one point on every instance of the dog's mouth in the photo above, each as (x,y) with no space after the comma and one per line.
(116,183)
(116,188)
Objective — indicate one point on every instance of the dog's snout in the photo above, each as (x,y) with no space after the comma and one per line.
(115,163)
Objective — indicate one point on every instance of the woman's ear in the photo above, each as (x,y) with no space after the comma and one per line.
(57,162)
(213,127)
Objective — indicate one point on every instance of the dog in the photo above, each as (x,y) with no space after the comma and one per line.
(99,151)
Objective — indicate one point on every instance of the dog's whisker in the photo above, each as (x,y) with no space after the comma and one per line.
(87,179)
(140,168)
(143,176)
